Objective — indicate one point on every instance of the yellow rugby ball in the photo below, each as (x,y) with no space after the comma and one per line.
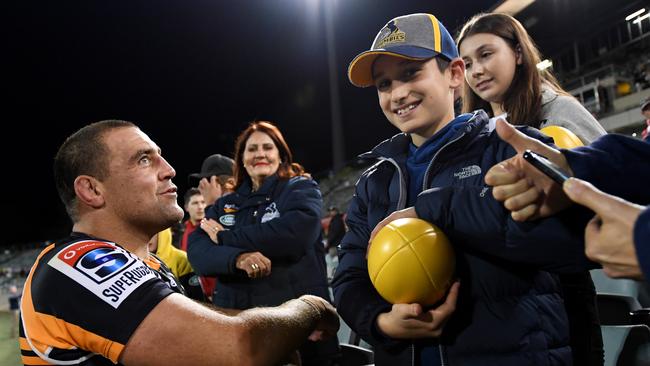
(411,261)
(563,138)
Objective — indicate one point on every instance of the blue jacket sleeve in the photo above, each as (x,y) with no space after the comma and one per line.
(472,218)
(291,234)
(355,297)
(642,240)
(208,258)
(615,164)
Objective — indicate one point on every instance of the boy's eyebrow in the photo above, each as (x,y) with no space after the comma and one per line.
(400,63)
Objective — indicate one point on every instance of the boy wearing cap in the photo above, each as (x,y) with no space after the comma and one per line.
(509,309)
(214,180)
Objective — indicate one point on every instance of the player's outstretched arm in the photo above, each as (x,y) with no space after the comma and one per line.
(179,331)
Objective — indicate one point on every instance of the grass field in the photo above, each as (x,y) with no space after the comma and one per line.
(9,350)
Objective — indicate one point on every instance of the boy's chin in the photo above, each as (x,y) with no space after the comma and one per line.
(416,128)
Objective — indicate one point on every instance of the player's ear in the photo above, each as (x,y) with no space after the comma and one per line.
(89,191)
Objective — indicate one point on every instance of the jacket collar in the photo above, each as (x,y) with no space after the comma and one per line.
(246,189)
(396,147)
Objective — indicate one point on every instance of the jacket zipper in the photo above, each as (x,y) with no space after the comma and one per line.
(440,352)
(426,173)
(412,354)
(401,205)
(424,187)
(401,202)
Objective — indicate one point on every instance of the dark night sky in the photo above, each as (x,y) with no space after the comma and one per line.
(191,74)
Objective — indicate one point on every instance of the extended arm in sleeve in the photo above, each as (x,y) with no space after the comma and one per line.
(615,164)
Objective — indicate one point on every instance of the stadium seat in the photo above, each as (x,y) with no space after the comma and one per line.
(615,309)
(352,355)
(626,345)
(605,284)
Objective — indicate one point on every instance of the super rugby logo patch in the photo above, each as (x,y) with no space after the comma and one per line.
(103,268)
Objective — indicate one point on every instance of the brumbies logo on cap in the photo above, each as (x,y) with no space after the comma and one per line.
(394,36)
(103,268)
(414,37)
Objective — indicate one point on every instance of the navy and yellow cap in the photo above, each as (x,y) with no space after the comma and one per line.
(414,37)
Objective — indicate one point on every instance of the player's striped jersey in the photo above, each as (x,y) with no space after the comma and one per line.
(83,299)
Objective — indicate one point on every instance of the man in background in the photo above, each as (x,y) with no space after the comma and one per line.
(215,178)
(194,205)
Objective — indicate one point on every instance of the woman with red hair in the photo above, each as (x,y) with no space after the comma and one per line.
(263,241)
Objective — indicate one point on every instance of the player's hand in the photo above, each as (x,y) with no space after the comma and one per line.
(211,227)
(329,321)
(410,321)
(255,264)
(609,236)
(524,190)
(210,189)
(405,213)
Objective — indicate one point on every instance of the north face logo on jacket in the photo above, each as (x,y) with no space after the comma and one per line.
(468,171)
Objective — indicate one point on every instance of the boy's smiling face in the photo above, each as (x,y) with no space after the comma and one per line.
(416,96)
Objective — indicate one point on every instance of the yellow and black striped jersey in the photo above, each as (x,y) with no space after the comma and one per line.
(83,299)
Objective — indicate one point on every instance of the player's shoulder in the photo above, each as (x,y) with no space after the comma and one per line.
(100,266)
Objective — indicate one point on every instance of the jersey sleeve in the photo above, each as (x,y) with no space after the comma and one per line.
(85,299)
